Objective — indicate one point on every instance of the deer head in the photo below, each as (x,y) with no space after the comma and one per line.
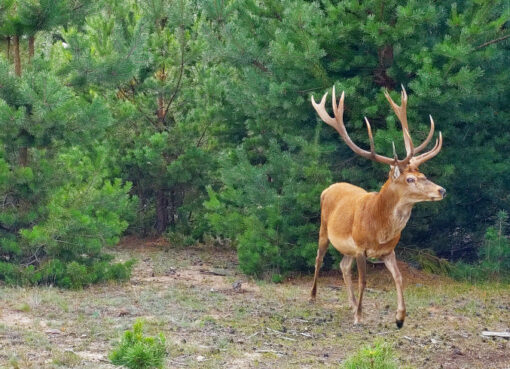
(404,175)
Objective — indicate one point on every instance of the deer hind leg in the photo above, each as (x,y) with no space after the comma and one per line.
(346,267)
(361,262)
(391,263)
(321,251)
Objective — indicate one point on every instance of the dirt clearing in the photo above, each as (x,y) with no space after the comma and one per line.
(215,317)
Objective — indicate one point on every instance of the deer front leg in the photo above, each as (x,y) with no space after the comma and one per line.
(362,271)
(346,267)
(391,263)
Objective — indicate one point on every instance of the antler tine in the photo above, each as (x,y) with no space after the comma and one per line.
(407,159)
(401,113)
(410,152)
(403,96)
(416,161)
(333,101)
(321,110)
(338,124)
(429,137)
(370,137)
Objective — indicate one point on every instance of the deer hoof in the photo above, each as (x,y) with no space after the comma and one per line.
(400,323)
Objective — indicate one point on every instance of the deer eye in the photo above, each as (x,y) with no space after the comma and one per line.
(411,180)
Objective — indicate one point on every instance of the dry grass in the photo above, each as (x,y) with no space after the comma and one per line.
(188,295)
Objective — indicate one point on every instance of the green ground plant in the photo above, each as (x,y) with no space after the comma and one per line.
(136,351)
(380,355)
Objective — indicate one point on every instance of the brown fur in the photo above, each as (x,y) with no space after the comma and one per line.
(373,220)
(360,224)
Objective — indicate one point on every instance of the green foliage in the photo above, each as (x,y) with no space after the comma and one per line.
(71,275)
(60,202)
(27,17)
(267,210)
(380,355)
(59,235)
(494,256)
(202,109)
(135,351)
(281,52)
(427,260)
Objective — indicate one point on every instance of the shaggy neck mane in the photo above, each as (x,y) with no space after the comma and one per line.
(390,208)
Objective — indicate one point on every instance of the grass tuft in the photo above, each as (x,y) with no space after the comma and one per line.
(23,307)
(67,359)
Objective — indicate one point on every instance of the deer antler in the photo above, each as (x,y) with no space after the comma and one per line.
(401,113)
(416,161)
(338,123)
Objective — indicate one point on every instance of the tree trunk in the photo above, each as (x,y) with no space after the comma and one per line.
(161,211)
(23,156)
(8,48)
(173,207)
(31,42)
(161,75)
(381,78)
(23,151)
(161,112)
(17,59)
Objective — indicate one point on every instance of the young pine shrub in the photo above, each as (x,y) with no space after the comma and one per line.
(270,210)
(135,351)
(378,356)
(75,212)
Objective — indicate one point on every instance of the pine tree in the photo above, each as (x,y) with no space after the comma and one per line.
(59,207)
(145,59)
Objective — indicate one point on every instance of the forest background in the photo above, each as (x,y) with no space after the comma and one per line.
(192,119)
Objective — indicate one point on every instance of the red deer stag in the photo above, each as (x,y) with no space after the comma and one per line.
(360,224)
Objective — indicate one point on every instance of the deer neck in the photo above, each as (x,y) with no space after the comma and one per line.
(393,212)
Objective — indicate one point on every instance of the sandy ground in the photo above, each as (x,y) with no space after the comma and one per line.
(215,317)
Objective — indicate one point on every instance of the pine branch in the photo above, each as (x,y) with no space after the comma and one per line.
(78,7)
(492,42)
(17,58)
(181,72)
(137,107)
(199,142)
(5,228)
(260,66)
(302,92)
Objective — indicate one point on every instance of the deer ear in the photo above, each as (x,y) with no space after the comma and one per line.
(395,172)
